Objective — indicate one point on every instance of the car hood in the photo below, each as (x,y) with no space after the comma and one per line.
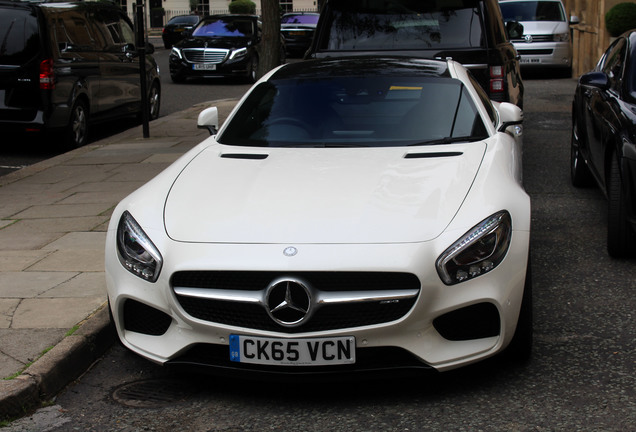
(214,42)
(291,195)
(544,27)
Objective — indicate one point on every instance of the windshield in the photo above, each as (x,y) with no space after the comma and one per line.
(232,27)
(355,111)
(19,38)
(404,24)
(299,19)
(532,11)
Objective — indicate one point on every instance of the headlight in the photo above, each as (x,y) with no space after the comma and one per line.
(176,52)
(241,52)
(561,37)
(478,251)
(135,250)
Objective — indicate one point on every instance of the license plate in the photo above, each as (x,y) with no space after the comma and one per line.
(203,66)
(297,33)
(293,352)
(530,60)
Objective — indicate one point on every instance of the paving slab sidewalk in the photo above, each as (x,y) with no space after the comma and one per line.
(53,221)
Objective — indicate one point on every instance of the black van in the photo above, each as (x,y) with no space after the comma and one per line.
(64,66)
(471,32)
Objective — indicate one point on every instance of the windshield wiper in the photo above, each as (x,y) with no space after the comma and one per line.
(449,140)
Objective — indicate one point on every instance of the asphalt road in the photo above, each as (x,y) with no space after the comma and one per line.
(582,375)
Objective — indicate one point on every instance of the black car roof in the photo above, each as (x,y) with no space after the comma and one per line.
(371,66)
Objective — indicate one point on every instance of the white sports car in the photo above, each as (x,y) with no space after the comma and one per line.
(350,215)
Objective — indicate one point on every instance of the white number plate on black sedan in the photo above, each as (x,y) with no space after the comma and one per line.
(203,66)
(293,352)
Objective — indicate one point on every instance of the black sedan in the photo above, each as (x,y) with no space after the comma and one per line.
(220,45)
(603,149)
(177,28)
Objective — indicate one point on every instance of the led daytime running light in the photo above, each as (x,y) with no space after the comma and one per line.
(479,251)
(136,252)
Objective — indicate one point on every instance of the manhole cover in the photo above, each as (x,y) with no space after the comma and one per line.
(153,393)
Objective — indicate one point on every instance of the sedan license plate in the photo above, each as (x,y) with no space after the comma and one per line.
(293,352)
(203,66)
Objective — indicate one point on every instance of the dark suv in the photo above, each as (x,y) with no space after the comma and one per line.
(471,32)
(64,66)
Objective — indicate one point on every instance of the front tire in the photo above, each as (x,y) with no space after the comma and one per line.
(252,70)
(619,233)
(154,102)
(76,133)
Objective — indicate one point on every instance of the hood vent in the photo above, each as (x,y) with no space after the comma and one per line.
(432,155)
(249,156)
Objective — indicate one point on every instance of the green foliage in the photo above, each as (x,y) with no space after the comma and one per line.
(620,18)
(242,7)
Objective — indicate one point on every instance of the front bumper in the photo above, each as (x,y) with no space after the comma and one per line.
(437,330)
(228,67)
(544,54)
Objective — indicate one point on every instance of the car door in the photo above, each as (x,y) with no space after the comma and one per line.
(119,90)
(600,118)
(76,59)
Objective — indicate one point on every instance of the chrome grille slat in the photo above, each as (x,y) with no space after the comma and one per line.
(205,55)
(342,299)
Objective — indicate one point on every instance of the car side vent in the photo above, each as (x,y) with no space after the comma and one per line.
(432,155)
(249,156)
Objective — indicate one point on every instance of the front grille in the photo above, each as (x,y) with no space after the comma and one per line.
(205,55)
(537,38)
(328,317)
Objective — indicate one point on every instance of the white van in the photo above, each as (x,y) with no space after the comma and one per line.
(546,32)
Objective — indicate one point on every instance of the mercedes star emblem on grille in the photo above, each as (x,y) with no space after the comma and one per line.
(288,302)
(290,251)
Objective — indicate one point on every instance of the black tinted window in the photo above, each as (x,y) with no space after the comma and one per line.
(532,11)
(19,38)
(403,24)
(355,111)
(190,19)
(113,30)
(614,62)
(72,31)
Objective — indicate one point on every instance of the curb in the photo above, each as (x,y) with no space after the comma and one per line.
(65,362)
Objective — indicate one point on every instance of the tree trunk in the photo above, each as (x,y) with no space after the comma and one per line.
(270,44)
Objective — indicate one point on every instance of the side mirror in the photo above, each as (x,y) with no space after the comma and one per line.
(510,119)
(209,119)
(574,20)
(514,30)
(150,48)
(595,79)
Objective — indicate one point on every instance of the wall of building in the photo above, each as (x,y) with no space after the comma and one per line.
(590,37)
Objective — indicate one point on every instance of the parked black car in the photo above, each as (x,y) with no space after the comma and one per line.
(64,66)
(603,147)
(298,30)
(177,29)
(220,45)
(471,32)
